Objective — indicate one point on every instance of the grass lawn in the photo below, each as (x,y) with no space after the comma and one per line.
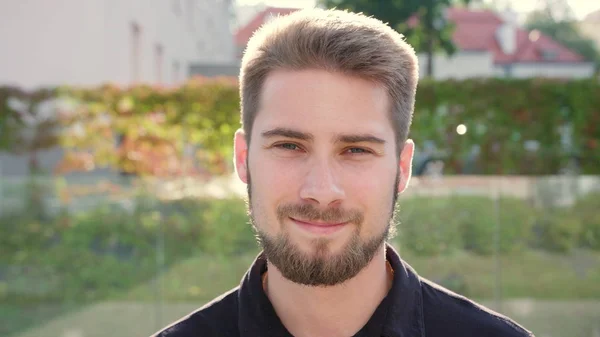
(530,274)
(553,295)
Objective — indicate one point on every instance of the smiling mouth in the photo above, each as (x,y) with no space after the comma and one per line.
(319,227)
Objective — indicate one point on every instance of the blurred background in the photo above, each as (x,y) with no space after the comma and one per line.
(119,210)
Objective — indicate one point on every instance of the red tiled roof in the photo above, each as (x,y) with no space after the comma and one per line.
(475,30)
(593,16)
(245,33)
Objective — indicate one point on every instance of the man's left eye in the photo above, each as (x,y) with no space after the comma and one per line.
(354,150)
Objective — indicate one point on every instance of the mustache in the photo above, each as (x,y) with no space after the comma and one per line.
(309,212)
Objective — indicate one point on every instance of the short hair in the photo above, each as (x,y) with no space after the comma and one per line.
(337,41)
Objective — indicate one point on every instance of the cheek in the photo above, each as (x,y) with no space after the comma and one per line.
(374,181)
(373,190)
(273,180)
(374,194)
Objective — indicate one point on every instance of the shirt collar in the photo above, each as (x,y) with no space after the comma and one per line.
(400,314)
(405,314)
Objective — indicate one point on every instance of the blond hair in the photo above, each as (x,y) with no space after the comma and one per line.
(336,41)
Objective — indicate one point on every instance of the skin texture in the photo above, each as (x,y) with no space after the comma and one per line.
(322,153)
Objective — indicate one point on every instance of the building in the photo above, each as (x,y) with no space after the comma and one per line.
(47,43)
(493,44)
(244,33)
(248,20)
(489,45)
(92,42)
(590,27)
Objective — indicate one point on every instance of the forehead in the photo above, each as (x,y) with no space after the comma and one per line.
(322,101)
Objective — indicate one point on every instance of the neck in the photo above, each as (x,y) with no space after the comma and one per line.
(340,310)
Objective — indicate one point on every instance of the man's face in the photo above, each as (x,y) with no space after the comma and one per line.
(322,173)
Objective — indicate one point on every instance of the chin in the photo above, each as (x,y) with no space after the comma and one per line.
(323,248)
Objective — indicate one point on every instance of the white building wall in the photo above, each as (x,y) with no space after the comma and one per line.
(90,42)
(461,65)
(500,71)
(591,29)
(551,70)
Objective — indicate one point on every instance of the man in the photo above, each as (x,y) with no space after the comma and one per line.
(327,101)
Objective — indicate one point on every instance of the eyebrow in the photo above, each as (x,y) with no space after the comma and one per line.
(343,138)
(288,133)
(359,139)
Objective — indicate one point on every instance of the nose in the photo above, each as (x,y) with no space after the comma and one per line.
(321,185)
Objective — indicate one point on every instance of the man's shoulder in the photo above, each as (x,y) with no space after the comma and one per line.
(449,314)
(216,318)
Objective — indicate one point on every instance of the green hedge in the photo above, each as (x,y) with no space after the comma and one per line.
(588,211)
(433,226)
(426,225)
(502,116)
(107,250)
(93,254)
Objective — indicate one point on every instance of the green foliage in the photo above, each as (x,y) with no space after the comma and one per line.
(561,229)
(150,131)
(557,231)
(423,23)
(92,254)
(439,225)
(144,130)
(393,12)
(590,231)
(502,115)
(428,226)
(105,251)
(587,209)
(233,238)
(10,120)
(485,223)
(27,125)
(565,32)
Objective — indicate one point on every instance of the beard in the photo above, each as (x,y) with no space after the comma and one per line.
(320,268)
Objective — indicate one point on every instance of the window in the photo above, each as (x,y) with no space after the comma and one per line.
(189,11)
(549,54)
(176,6)
(136,49)
(176,71)
(200,47)
(508,70)
(158,59)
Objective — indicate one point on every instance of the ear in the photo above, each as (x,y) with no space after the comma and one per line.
(240,155)
(405,172)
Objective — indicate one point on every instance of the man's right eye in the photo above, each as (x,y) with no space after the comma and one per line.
(288,146)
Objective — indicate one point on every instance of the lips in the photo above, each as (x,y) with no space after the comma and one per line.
(319,227)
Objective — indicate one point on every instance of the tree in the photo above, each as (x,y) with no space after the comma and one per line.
(423,22)
(27,123)
(558,10)
(10,120)
(563,29)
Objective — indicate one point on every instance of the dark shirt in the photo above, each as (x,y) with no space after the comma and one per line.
(413,307)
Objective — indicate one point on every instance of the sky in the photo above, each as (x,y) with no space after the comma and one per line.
(580,7)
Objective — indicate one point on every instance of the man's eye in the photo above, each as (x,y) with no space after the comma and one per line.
(288,146)
(357,150)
